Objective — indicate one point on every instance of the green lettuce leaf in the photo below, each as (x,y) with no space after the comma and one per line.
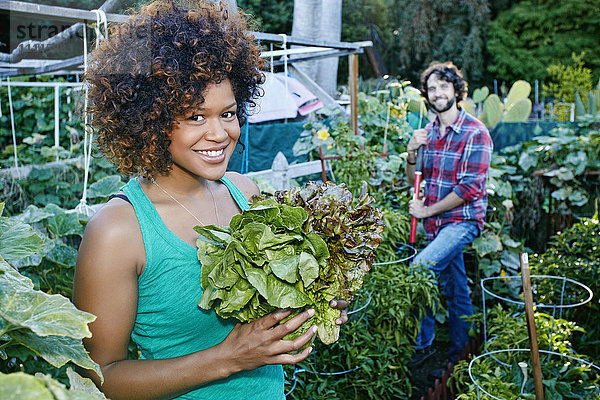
(297,249)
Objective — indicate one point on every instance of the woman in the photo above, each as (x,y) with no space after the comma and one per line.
(168,93)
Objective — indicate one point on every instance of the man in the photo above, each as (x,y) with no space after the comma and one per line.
(456,156)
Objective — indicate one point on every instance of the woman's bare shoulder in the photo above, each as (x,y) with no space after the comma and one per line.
(245,184)
(114,231)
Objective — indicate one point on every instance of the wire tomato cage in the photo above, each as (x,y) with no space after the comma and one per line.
(578,295)
(402,247)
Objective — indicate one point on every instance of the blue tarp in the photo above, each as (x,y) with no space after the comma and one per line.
(264,142)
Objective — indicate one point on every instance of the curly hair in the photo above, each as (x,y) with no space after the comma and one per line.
(448,72)
(156,66)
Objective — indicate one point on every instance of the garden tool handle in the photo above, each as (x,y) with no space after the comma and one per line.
(416,194)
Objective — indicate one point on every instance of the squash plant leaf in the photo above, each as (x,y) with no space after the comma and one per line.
(33,214)
(23,307)
(105,187)
(65,224)
(20,385)
(487,243)
(57,350)
(18,240)
(84,385)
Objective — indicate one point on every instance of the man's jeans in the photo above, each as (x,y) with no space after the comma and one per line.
(444,257)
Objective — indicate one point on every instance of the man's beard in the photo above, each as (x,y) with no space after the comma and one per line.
(444,108)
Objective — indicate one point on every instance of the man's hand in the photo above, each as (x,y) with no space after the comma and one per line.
(418,209)
(419,137)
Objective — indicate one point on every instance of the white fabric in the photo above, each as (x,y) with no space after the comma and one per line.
(279,103)
(275,104)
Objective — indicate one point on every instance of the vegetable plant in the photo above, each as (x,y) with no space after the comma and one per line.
(301,248)
(33,322)
(501,376)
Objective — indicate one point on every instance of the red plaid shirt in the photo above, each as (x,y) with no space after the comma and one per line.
(457,162)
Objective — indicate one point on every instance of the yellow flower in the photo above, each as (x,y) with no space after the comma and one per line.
(323,134)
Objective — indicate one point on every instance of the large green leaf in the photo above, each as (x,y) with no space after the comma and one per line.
(85,385)
(63,255)
(23,307)
(284,295)
(286,268)
(105,187)
(37,258)
(309,270)
(239,295)
(579,160)
(487,243)
(34,214)
(57,350)
(21,386)
(18,240)
(527,160)
(65,224)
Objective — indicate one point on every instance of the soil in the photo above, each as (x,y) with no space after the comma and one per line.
(421,380)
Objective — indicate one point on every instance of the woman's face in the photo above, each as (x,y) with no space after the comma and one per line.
(203,140)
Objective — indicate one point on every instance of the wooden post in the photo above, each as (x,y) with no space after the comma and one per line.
(535,353)
(353,85)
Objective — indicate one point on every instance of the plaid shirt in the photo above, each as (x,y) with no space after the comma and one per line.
(457,162)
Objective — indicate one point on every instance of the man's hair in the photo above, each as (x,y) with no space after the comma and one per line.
(448,72)
(156,66)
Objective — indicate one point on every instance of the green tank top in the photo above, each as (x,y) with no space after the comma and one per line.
(169,322)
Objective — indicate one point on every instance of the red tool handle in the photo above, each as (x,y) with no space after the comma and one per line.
(416,194)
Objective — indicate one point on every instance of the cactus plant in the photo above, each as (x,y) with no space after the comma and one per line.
(515,108)
(593,101)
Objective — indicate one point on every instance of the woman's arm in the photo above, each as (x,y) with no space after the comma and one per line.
(110,259)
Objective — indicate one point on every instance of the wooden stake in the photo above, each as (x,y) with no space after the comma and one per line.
(535,353)
(353,84)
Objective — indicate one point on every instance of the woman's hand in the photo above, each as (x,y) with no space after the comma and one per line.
(343,306)
(249,346)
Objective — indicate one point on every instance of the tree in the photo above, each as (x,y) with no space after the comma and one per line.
(530,36)
(410,34)
(272,16)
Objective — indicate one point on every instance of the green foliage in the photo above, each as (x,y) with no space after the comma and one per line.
(376,156)
(34,325)
(271,16)
(533,34)
(301,248)
(375,344)
(43,387)
(34,114)
(592,106)
(57,182)
(501,376)
(566,83)
(574,254)
(563,158)
(490,109)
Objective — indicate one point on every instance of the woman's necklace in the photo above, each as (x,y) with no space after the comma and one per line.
(185,208)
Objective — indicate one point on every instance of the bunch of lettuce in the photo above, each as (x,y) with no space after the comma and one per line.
(298,249)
